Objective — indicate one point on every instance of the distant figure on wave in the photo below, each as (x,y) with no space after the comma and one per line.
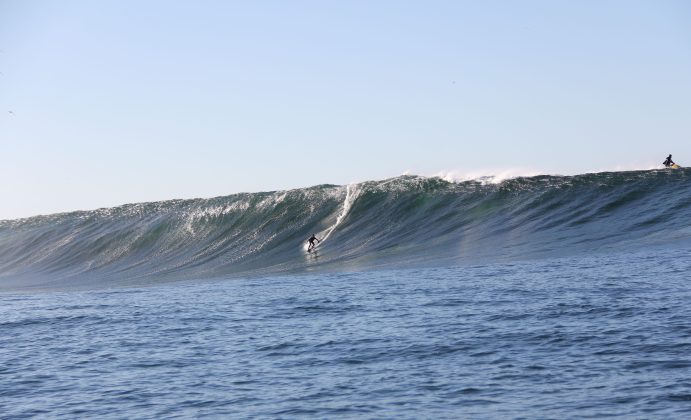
(312,244)
(668,162)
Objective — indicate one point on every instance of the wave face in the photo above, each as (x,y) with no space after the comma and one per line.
(400,222)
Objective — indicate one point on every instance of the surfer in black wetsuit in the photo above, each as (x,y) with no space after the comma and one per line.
(668,162)
(311,241)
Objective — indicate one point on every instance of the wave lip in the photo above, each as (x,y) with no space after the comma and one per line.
(404,221)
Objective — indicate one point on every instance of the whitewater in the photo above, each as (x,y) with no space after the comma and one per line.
(404,221)
(531,297)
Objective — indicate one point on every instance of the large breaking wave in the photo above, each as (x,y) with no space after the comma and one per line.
(405,221)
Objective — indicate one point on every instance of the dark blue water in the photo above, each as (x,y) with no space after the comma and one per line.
(404,222)
(543,297)
(601,334)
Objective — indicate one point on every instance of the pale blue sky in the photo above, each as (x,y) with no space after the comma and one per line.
(111,102)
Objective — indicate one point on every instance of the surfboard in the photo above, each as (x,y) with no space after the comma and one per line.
(675,166)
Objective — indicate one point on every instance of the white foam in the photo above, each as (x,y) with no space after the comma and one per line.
(496,176)
(487,176)
(352,192)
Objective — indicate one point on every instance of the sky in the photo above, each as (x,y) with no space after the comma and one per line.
(112,102)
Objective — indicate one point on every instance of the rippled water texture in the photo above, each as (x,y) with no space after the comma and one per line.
(402,222)
(598,335)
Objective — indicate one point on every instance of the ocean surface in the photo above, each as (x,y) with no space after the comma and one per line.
(542,297)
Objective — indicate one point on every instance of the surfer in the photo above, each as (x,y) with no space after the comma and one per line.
(668,162)
(311,241)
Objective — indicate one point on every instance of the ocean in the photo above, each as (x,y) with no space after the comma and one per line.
(539,297)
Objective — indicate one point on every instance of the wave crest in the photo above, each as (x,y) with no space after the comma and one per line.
(402,221)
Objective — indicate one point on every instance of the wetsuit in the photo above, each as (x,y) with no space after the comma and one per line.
(311,241)
(668,162)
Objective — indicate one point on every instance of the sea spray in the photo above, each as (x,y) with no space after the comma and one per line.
(397,222)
